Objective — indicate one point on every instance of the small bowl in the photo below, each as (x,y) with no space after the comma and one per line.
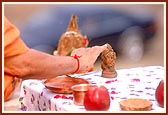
(79,93)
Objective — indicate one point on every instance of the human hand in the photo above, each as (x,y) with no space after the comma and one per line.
(87,56)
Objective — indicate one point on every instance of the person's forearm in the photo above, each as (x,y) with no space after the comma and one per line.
(38,65)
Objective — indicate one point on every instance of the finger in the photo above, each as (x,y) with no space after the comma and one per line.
(100,48)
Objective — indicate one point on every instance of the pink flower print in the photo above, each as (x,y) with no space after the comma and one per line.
(63,97)
(110,81)
(113,92)
(112,97)
(24,92)
(93,83)
(70,97)
(23,107)
(135,80)
(57,96)
(41,93)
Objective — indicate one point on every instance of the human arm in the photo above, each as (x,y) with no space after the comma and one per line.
(39,65)
(23,62)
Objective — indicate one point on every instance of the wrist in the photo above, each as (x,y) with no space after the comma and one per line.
(78,63)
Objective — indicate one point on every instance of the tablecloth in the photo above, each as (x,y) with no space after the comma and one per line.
(140,82)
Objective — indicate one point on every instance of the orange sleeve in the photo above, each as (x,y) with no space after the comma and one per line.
(13,44)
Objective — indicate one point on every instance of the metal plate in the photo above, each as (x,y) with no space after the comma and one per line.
(63,84)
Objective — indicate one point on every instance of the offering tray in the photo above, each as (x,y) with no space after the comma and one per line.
(63,84)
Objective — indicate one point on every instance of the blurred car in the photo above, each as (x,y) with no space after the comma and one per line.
(126,32)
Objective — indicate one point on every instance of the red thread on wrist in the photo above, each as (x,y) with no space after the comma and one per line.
(76,57)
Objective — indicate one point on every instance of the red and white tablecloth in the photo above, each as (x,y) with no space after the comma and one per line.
(140,82)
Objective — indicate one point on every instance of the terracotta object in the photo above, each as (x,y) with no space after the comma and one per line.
(71,39)
(108,58)
(79,92)
(63,84)
(135,104)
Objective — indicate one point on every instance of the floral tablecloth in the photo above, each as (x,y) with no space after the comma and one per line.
(138,82)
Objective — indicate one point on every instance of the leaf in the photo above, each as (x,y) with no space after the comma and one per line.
(21,98)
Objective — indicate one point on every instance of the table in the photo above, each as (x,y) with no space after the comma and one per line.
(138,82)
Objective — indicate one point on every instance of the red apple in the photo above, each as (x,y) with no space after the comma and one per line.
(97,98)
(159,94)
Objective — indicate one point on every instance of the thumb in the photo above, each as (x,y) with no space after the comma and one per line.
(99,49)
